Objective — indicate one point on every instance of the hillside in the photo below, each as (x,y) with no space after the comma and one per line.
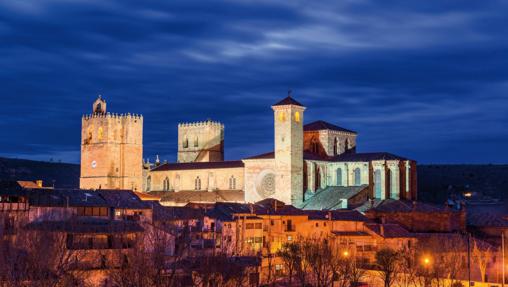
(64,175)
(437,182)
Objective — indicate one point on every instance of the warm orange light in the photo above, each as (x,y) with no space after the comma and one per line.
(345,253)
(426,261)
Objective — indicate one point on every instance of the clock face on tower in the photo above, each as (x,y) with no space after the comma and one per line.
(94,164)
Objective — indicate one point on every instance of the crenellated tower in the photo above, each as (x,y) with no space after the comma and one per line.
(200,142)
(111,149)
(288,133)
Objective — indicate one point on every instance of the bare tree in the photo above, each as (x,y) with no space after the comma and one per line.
(387,261)
(481,254)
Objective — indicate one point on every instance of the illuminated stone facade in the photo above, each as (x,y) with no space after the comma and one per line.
(201,142)
(111,149)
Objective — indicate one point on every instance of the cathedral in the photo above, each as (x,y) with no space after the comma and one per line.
(313,166)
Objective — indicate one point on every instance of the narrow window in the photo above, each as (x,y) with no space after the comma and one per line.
(377,184)
(297,117)
(197,183)
(100,132)
(166,184)
(185,143)
(339,177)
(232,183)
(148,183)
(358,176)
(196,142)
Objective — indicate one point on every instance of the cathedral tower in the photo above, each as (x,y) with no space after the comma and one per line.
(111,149)
(288,123)
(200,142)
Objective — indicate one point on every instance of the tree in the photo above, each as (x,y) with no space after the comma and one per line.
(321,258)
(291,256)
(387,261)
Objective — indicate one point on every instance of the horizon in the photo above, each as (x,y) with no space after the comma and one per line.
(423,82)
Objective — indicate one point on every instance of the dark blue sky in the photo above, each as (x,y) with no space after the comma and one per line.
(422,79)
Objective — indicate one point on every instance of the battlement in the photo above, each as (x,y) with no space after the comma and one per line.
(208,123)
(113,116)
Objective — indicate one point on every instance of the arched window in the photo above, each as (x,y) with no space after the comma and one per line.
(148,183)
(393,185)
(318,178)
(196,142)
(297,117)
(185,143)
(197,183)
(358,176)
(282,116)
(339,176)
(377,183)
(335,142)
(314,148)
(346,145)
(98,108)
(166,184)
(305,177)
(232,183)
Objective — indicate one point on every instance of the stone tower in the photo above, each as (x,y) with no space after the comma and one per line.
(288,123)
(111,149)
(200,142)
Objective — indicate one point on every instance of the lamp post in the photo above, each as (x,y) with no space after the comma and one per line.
(426,261)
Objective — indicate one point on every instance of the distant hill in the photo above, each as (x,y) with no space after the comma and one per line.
(64,175)
(437,182)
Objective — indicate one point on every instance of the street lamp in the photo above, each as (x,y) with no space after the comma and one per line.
(345,253)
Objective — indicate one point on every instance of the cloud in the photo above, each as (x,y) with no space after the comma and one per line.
(413,78)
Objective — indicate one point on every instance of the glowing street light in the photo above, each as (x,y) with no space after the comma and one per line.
(426,261)
(345,253)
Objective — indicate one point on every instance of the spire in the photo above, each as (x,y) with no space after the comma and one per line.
(288,100)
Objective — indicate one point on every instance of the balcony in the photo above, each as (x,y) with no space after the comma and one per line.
(13,206)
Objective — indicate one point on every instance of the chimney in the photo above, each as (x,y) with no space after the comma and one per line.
(39,183)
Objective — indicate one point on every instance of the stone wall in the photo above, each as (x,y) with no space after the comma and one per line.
(111,151)
(200,142)
(211,179)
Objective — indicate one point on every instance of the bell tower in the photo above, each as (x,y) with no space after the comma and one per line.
(111,149)
(288,125)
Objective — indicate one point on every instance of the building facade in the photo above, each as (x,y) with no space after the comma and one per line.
(111,150)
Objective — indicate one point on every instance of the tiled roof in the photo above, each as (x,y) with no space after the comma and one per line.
(331,197)
(350,233)
(226,210)
(348,157)
(66,197)
(267,155)
(202,196)
(168,213)
(487,220)
(123,199)
(306,155)
(199,165)
(342,215)
(288,101)
(322,125)
(388,230)
(87,225)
